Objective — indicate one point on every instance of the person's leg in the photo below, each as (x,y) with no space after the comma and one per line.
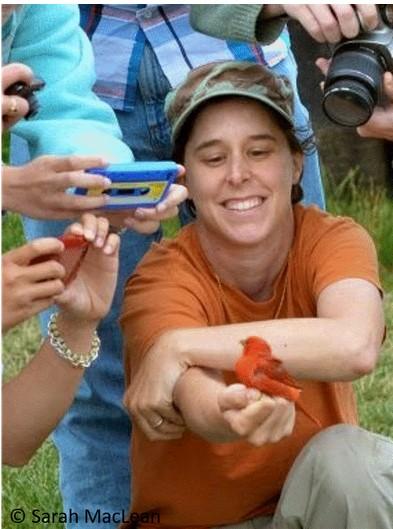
(342,479)
(311,181)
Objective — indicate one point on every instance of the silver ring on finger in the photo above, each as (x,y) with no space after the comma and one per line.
(158,423)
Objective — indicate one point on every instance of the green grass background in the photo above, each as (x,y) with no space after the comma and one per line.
(35,486)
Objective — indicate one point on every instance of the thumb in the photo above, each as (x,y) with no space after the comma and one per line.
(234,397)
(388,85)
(39,248)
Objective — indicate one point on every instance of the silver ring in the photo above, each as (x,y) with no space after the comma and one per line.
(158,423)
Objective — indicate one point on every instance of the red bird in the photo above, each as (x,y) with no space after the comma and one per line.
(257,368)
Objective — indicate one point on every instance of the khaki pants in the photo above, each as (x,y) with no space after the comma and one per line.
(342,479)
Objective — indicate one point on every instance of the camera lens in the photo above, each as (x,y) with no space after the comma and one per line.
(352,86)
(348,103)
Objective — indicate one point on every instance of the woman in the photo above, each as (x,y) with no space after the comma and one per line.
(254,263)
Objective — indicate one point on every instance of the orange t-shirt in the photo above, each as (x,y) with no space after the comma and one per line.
(191,482)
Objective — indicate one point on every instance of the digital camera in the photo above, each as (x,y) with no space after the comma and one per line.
(354,82)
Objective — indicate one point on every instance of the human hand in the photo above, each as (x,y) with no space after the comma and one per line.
(333,22)
(255,417)
(380,124)
(89,296)
(38,189)
(13,108)
(30,288)
(149,398)
(147,220)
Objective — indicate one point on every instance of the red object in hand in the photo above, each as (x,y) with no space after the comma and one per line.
(75,248)
(257,368)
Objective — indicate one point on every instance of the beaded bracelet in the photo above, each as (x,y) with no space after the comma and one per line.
(62,349)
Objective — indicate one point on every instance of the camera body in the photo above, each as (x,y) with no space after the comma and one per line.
(354,85)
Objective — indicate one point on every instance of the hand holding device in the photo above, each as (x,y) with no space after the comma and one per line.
(134,185)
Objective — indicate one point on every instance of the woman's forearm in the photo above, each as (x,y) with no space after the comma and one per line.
(310,348)
(37,398)
(342,343)
(196,397)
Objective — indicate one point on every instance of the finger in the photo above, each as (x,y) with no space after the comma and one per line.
(233,397)
(14,107)
(244,422)
(328,23)
(166,412)
(33,250)
(368,16)
(89,224)
(45,271)
(14,72)
(380,125)
(347,19)
(155,434)
(10,318)
(112,244)
(323,64)
(181,170)
(76,204)
(176,195)
(311,24)
(82,180)
(388,85)
(102,232)
(142,226)
(272,430)
(74,163)
(46,289)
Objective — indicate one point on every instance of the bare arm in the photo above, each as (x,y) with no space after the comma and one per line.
(36,399)
(341,343)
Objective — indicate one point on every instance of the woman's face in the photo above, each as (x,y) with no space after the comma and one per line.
(240,171)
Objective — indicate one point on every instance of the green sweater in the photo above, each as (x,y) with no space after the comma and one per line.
(236,22)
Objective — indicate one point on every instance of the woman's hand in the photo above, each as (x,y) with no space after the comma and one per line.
(30,288)
(13,108)
(147,220)
(149,398)
(45,181)
(255,417)
(380,125)
(89,296)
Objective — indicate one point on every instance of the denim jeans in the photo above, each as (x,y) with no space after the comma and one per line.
(93,438)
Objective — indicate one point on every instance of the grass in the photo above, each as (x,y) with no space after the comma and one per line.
(35,486)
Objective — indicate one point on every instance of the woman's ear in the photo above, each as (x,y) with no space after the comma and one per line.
(298,162)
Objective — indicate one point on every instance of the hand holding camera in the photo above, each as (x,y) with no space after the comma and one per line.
(354,80)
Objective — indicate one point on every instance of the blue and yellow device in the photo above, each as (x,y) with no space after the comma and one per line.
(135,184)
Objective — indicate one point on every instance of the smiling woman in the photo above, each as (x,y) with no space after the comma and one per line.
(254,263)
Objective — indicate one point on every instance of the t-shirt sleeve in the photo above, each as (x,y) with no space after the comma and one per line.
(162,295)
(343,250)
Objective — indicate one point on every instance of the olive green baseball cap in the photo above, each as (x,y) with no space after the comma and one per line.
(229,78)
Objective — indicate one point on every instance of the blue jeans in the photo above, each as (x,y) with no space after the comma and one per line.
(93,438)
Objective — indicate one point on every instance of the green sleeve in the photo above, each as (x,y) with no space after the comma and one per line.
(236,22)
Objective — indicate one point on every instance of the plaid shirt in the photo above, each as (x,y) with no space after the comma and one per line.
(120,32)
